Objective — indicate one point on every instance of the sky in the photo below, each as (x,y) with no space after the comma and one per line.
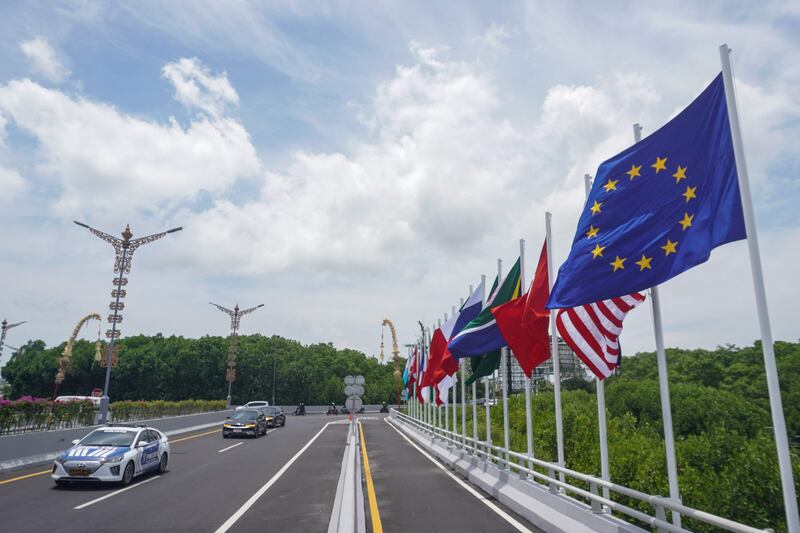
(347,162)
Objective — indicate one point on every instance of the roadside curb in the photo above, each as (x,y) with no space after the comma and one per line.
(31,460)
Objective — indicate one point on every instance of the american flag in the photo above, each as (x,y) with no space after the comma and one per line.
(593,330)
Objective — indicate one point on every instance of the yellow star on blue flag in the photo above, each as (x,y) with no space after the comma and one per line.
(683,203)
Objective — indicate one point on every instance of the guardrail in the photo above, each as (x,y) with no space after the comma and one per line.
(347,515)
(556,476)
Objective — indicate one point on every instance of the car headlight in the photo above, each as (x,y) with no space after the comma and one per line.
(250,426)
(61,459)
(227,426)
(115,459)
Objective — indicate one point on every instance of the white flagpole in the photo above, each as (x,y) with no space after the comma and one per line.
(426,390)
(601,399)
(436,389)
(462,373)
(528,416)
(773,385)
(505,376)
(455,385)
(554,351)
(463,390)
(663,385)
(486,383)
(446,400)
(475,385)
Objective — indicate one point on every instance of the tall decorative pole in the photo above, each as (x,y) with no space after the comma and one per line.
(5,327)
(236,315)
(395,357)
(66,357)
(123,256)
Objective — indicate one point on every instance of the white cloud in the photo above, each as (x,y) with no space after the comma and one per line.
(196,87)
(11,183)
(464,150)
(106,160)
(44,60)
(496,36)
(441,153)
(238,27)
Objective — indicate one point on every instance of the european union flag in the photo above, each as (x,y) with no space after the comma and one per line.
(656,209)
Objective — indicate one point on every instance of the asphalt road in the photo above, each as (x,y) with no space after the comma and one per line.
(215,483)
(415,494)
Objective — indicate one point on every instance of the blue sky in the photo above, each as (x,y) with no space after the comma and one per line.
(346,162)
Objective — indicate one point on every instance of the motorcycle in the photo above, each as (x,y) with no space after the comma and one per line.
(332,410)
(384,408)
(301,410)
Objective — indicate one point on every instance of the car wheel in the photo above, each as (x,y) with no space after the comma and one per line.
(127,475)
(283,423)
(225,436)
(162,466)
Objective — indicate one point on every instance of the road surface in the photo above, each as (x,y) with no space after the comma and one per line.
(285,481)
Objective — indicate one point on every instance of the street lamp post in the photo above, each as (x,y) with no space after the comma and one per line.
(123,255)
(274,365)
(236,315)
(5,327)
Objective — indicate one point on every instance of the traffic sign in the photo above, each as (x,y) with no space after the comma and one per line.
(354,390)
(359,380)
(96,393)
(349,380)
(354,403)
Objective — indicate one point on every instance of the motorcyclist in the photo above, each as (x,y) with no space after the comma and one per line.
(384,407)
(301,409)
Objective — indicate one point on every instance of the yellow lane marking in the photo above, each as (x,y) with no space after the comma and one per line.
(195,436)
(43,472)
(377,527)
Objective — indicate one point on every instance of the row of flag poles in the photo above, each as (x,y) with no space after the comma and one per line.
(652,212)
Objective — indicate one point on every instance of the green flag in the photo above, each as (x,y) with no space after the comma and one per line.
(483,324)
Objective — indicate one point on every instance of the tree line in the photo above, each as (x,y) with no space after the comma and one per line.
(727,461)
(176,368)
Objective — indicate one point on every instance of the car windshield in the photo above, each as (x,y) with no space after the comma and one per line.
(109,437)
(270,410)
(244,415)
(256,404)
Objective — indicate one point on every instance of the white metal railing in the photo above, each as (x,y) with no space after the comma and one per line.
(503,458)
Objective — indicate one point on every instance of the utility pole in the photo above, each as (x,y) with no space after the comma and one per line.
(123,255)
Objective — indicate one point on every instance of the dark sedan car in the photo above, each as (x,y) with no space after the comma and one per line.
(274,415)
(245,422)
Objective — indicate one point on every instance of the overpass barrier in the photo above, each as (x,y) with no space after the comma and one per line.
(555,485)
(347,515)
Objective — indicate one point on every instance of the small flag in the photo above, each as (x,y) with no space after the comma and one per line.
(481,335)
(445,364)
(593,330)
(523,322)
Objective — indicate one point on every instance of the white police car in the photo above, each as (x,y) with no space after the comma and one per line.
(116,452)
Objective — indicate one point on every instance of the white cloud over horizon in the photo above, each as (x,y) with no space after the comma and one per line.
(444,173)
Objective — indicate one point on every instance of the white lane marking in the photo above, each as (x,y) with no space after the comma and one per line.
(260,492)
(110,494)
(229,447)
(504,515)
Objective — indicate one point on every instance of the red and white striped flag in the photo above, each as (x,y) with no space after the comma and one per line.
(593,330)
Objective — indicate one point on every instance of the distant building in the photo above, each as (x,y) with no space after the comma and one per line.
(570,366)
